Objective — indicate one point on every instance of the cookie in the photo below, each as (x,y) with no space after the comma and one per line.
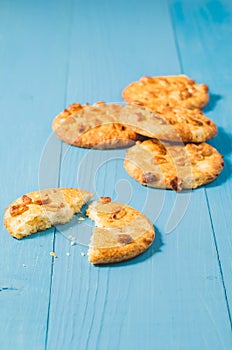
(167,91)
(94,126)
(173,166)
(38,211)
(169,123)
(121,233)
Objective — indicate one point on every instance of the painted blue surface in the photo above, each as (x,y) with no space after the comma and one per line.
(175,296)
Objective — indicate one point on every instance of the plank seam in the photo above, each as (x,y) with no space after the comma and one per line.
(53,249)
(218,258)
(50,291)
(59,169)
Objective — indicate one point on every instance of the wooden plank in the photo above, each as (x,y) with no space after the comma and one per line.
(171,297)
(33,53)
(207,43)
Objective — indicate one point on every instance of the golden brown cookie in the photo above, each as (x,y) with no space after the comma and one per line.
(169,123)
(37,211)
(94,126)
(121,233)
(173,166)
(167,91)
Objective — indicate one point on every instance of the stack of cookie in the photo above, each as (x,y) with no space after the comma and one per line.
(182,160)
(164,124)
(165,130)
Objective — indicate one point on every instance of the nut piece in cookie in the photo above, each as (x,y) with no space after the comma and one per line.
(38,211)
(95,126)
(167,91)
(121,232)
(178,167)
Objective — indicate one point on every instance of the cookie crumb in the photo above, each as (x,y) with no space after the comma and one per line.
(24,265)
(82,254)
(73,243)
(68,254)
(53,254)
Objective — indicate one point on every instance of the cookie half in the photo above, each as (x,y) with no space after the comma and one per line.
(173,166)
(121,233)
(167,91)
(169,123)
(39,210)
(95,126)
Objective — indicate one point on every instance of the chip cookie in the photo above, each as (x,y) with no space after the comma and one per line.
(121,233)
(39,210)
(169,123)
(167,91)
(95,126)
(173,166)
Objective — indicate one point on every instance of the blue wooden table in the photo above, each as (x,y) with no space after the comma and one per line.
(178,295)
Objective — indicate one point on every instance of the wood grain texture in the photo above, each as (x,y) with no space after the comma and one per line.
(32,85)
(177,295)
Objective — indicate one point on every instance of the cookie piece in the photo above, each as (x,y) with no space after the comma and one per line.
(169,123)
(173,166)
(121,233)
(167,91)
(94,126)
(38,211)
